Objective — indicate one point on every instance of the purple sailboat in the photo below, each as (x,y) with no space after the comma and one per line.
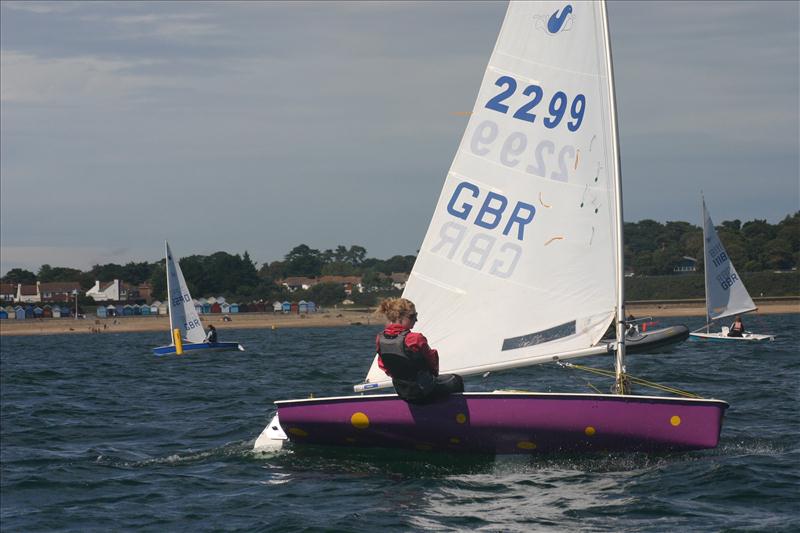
(522,264)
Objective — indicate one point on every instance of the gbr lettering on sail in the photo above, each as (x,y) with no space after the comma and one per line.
(484,229)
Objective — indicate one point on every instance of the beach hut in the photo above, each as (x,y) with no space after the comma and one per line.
(145,310)
(56,311)
(220,300)
(19,312)
(206,308)
(66,312)
(38,312)
(47,311)
(154,307)
(277,307)
(199,308)
(3,314)
(137,309)
(294,309)
(302,307)
(127,310)
(163,309)
(234,308)
(12,314)
(28,311)
(225,308)
(111,310)
(312,307)
(211,301)
(286,307)
(216,308)
(101,311)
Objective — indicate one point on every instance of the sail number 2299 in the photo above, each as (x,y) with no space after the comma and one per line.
(556,108)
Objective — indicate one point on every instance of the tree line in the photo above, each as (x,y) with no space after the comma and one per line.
(651,249)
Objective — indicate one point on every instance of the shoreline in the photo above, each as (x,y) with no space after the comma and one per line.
(326,318)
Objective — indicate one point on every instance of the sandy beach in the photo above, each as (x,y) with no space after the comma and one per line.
(328,318)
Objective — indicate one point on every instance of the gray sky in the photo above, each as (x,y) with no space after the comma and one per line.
(261,126)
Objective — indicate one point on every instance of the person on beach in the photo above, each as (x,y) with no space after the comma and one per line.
(211,336)
(407,358)
(737,328)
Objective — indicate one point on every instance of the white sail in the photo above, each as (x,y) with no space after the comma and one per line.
(726,294)
(519,261)
(182,314)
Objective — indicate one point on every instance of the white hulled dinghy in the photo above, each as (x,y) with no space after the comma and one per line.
(726,295)
(522,264)
(186,330)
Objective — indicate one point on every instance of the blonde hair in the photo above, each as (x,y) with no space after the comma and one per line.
(394,309)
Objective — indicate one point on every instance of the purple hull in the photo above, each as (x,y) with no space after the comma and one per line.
(507,422)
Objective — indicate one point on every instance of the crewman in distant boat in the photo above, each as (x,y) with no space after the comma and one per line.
(737,328)
(407,358)
(211,336)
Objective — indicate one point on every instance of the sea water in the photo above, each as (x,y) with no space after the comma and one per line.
(97,434)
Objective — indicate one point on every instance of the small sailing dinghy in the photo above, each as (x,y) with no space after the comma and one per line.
(522,264)
(652,340)
(186,330)
(726,294)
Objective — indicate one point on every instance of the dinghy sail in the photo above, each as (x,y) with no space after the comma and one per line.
(522,264)
(726,294)
(183,316)
(522,242)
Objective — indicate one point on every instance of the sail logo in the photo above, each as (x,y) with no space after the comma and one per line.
(558,21)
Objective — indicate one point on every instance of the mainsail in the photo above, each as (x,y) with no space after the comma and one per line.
(182,314)
(520,260)
(726,295)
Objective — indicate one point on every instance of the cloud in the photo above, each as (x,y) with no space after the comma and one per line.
(42,8)
(169,26)
(28,78)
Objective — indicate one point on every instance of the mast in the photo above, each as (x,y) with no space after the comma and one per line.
(619,385)
(705,261)
(169,294)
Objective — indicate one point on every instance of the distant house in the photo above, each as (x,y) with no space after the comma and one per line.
(295,283)
(8,291)
(28,293)
(348,283)
(59,291)
(685,265)
(399,280)
(105,291)
(119,291)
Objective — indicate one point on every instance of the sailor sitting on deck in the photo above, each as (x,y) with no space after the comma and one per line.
(407,358)
(211,336)
(737,328)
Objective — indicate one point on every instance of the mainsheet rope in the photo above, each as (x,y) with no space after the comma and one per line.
(632,379)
